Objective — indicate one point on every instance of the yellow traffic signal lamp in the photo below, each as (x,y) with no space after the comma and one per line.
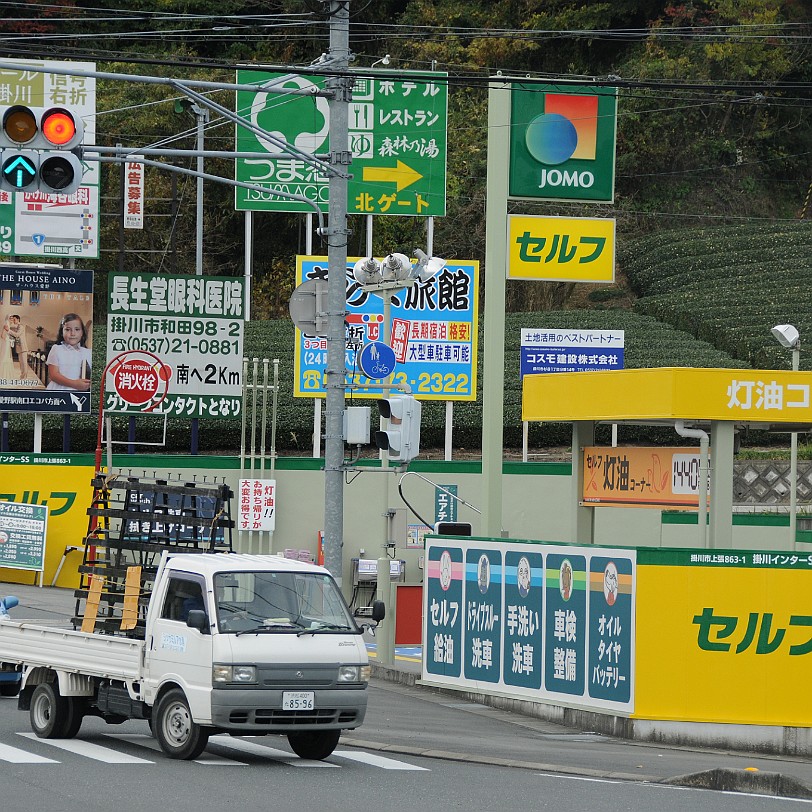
(20,124)
(40,146)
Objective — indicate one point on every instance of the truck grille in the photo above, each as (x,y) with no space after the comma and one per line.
(275,717)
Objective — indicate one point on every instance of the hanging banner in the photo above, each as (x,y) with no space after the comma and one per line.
(134,194)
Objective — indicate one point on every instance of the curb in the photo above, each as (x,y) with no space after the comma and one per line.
(539,766)
(756,783)
(730,780)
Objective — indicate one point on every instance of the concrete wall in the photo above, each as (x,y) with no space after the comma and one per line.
(536,505)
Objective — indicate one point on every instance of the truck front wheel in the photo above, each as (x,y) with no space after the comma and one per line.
(52,715)
(179,736)
(314,745)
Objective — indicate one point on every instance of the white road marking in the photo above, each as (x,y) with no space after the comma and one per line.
(377,761)
(16,756)
(245,746)
(145,740)
(89,750)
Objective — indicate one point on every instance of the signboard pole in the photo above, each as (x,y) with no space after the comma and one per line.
(493,367)
(337,233)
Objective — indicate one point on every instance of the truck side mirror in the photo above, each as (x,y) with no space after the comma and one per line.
(378,611)
(198,619)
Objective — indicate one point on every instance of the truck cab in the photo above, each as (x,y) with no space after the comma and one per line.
(255,644)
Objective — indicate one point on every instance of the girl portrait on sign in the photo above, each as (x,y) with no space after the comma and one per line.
(70,358)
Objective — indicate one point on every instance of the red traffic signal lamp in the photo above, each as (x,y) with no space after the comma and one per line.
(39,149)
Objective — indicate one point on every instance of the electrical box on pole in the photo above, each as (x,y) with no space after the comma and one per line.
(39,150)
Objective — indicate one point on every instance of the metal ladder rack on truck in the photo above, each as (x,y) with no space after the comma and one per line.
(193,656)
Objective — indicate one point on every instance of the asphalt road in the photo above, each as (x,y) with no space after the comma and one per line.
(419,745)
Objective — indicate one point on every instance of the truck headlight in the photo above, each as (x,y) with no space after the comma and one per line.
(353,673)
(234,674)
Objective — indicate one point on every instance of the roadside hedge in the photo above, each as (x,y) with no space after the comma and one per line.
(648,343)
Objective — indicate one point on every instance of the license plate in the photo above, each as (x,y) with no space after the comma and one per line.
(298,700)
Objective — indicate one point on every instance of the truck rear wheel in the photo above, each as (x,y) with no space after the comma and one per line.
(316,745)
(179,736)
(52,715)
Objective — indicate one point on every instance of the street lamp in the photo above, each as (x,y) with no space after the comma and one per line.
(788,336)
(386,278)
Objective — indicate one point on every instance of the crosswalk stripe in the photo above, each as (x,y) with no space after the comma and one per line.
(16,756)
(96,752)
(377,761)
(144,740)
(246,746)
(89,750)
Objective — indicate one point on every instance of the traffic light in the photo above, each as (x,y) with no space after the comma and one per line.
(401,438)
(39,150)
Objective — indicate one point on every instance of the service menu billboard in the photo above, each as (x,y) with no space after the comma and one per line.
(538,621)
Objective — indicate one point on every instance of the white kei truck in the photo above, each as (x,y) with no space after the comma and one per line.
(238,644)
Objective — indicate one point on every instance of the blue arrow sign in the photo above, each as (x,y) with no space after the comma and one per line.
(19,171)
(377,360)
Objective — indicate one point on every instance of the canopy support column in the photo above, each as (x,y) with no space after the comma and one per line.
(721,489)
(583,518)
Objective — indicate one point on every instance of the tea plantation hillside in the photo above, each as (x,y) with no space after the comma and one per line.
(727,285)
(648,343)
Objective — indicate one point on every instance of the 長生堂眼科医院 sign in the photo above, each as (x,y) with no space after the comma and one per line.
(190,330)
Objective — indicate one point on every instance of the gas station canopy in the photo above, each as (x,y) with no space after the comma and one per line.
(774,399)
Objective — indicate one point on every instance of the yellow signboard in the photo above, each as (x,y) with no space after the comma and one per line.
(641,477)
(66,490)
(762,396)
(561,249)
(722,642)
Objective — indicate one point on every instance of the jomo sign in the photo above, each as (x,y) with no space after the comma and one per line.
(562,142)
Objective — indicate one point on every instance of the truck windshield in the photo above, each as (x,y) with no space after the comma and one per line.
(295,602)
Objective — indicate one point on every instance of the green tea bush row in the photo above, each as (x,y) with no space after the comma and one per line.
(649,343)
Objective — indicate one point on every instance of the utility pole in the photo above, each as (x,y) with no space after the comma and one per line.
(340,87)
